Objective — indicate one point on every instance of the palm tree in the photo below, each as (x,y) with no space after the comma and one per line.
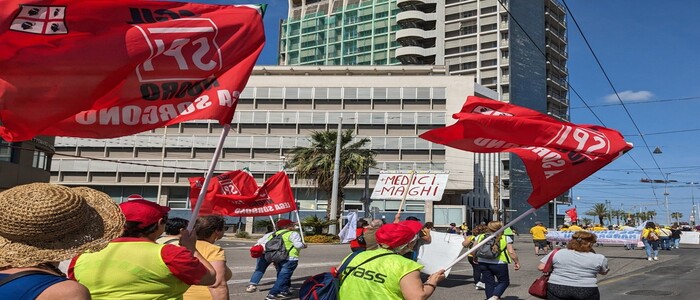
(616,214)
(316,223)
(586,221)
(651,215)
(676,215)
(316,162)
(598,210)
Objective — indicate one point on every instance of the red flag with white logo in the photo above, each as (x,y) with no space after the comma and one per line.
(237,194)
(556,154)
(571,212)
(102,69)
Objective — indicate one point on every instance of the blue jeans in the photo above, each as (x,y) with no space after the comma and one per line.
(284,276)
(665,243)
(650,246)
(675,242)
(500,272)
(260,268)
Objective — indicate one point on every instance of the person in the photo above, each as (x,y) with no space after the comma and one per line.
(563,228)
(574,227)
(43,224)
(393,276)
(509,232)
(539,238)
(665,235)
(423,238)
(356,245)
(464,229)
(575,268)
(173,231)
(497,268)
(285,269)
(135,267)
(675,236)
(210,229)
(370,239)
(452,229)
(469,243)
(260,265)
(650,238)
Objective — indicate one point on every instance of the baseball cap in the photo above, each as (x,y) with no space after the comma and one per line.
(281,223)
(396,234)
(143,211)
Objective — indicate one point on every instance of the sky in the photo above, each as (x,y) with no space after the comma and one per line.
(650,52)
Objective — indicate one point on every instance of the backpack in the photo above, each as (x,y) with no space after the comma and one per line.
(652,236)
(361,238)
(275,251)
(326,286)
(489,250)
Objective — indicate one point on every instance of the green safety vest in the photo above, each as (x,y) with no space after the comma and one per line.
(377,279)
(291,250)
(128,270)
(502,244)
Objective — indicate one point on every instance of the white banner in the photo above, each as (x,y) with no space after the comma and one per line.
(425,187)
(690,237)
(611,237)
(443,248)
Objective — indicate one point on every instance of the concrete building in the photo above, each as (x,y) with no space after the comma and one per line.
(390,105)
(25,162)
(518,51)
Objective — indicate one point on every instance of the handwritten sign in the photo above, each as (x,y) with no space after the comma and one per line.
(424,187)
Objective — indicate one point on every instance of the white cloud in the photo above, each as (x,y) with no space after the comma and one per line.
(628,96)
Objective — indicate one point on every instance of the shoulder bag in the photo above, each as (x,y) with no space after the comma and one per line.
(539,287)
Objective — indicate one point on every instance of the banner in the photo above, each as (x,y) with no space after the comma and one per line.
(103,69)
(443,247)
(557,155)
(424,187)
(608,237)
(237,194)
(349,232)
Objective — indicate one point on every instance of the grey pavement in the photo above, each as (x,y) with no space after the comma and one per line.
(629,272)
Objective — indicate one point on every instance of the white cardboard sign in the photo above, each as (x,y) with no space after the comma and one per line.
(424,187)
(442,250)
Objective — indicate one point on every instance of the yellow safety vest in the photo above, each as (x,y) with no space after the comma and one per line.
(128,270)
(377,279)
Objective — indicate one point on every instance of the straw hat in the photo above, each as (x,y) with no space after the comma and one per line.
(43,222)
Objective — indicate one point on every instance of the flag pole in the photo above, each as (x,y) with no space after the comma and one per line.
(272,220)
(301,230)
(207,178)
(490,237)
(405,192)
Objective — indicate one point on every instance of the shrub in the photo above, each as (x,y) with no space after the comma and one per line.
(242,235)
(322,239)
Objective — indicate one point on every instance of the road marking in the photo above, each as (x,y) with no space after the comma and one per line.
(301,266)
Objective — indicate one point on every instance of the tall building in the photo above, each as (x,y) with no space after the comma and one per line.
(25,162)
(518,51)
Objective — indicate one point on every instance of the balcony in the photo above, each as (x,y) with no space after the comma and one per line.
(558,82)
(560,52)
(556,34)
(414,54)
(414,33)
(402,4)
(414,18)
(559,67)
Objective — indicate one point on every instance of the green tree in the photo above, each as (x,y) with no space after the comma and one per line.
(316,162)
(617,214)
(676,215)
(598,210)
(651,215)
(316,223)
(585,221)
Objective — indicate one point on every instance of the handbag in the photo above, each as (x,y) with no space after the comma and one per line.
(539,287)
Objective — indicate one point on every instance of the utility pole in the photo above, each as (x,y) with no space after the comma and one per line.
(336,180)
(668,214)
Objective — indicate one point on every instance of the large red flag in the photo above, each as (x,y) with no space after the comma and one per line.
(237,194)
(556,154)
(103,69)
(571,212)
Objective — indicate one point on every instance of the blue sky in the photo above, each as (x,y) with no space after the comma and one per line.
(650,50)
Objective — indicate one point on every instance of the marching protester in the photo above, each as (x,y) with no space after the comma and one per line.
(392,276)
(285,268)
(370,232)
(675,236)
(359,243)
(135,267)
(665,235)
(260,265)
(574,227)
(496,267)
(173,231)
(43,224)
(539,238)
(650,238)
(423,238)
(469,243)
(453,229)
(210,229)
(575,268)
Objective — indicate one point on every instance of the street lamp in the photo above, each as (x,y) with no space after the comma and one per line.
(665,181)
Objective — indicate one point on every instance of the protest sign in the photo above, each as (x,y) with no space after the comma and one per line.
(424,187)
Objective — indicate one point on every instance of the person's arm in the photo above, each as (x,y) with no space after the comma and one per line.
(541,267)
(68,289)
(295,238)
(604,267)
(513,256)
(188,240)
(413,289)
(397,218)
(467,240)
(426,235)
(219,290)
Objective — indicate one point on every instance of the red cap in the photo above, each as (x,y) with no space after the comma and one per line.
(397,234)
(143,211)
(281,223)
(134,197)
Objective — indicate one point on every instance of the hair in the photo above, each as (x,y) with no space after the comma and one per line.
(175,225)
(492,227)
(650,225)
(412,218)
(131,229)
(207,225)
(362,223)
(479,229)
(428,225)
(582,241)
(376,223)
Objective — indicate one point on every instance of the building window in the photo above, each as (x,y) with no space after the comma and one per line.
(5,151)
(40,160)
(488,45)
(487,10)
(488,27)
(487,63)
(178,197)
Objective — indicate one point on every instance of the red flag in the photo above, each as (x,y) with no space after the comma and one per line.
(236,196)
(571,212)
(102,69)
(556,154)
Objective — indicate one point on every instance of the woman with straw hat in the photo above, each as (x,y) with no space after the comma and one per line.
(42,224)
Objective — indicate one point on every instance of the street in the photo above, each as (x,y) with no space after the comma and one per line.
(631,275)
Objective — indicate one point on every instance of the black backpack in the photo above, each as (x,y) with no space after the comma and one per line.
(275,251)
(361,239)
(489,250)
